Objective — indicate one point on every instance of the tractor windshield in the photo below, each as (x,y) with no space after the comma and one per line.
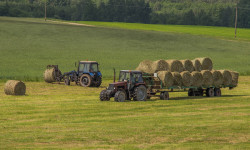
(124,76)
(88,67)
(93,68)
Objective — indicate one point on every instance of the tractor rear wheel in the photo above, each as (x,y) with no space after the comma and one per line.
(67,81)
(120,96)
(217,92)
(98,81)
(210,92)
(140,93)
(86,80)
(164,95)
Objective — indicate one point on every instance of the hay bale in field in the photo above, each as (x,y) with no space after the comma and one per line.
(49,75)
(235,77)
(197,79)
(227,77)
(206,63)
(177,78)
(159,65)
(197,65)
(217,78)
(187,65)
(166,77)
(174,66)
(186,78)
(13,87)
(207,77)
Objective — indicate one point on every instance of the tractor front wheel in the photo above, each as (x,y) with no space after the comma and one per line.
(104,96)
(140,93)
(85,80)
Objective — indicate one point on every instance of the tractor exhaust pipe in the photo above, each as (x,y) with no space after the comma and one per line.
(114,75)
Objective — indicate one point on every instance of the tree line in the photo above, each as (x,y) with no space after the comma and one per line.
(179,12)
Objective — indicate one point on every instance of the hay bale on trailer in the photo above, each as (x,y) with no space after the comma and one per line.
(197,79)
(49,75)
(217,78)
(159,65)
(227,77)
(235,77)
(14,87)
(166,77)
(186,78)
(187,65)
(177,78)
(206,63)
(207,77)
(174,66)
(197,65)
(145,66)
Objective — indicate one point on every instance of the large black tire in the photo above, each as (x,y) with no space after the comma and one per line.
(140,93)
(217,92)
(120,96)
(67,81)
(210,92)
(164,95)
(191,92)
(104,96)
(98,81)
(85,80)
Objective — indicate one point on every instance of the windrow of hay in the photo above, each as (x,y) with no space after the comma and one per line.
(145,66)
(187,65)
(227,77)
(206,63)
(186,78)
(174,66)
(177,78)
(207,77)
(235,77)
(49,75)
(166,77)
(217,78)
(159,65)
(14,87)
(197,65)
(197,79)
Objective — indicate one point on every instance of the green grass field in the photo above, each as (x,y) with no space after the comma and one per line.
(59,116)
(29,45)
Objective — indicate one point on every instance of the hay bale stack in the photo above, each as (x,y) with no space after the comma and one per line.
(13,87)
(197,79)
(159,65)
(227,77)
(174,66)
(206,63)
(166,77)
(197,65)
(177,78)
(49,75)
(207,77)
(186,78)
(187,65)
(145,66)
(235,77)
(217,78)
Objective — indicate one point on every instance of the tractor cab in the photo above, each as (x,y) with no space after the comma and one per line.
(131,77)
(88,66)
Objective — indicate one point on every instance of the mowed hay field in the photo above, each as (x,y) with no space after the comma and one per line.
(59,116)
(63,117)
(29,45)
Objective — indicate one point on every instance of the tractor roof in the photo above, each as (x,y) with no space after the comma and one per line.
(88,62)
(134,71)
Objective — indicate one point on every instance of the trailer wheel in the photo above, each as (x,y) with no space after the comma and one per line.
(140,93)
(217,92)
(85,80)
(191,92)
(67,81)
(164,95)
(210,92)
(120,96)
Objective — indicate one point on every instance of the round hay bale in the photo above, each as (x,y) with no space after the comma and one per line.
(174,66)
(235,77)
(49,75)
(186,78)
(206,63)
(207,77)
(187,65)
(217,78)
(197,65)
(14,87)
(177,78)
(227,77)
(159,65)
(145,66)
(166,77)
(197,79)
